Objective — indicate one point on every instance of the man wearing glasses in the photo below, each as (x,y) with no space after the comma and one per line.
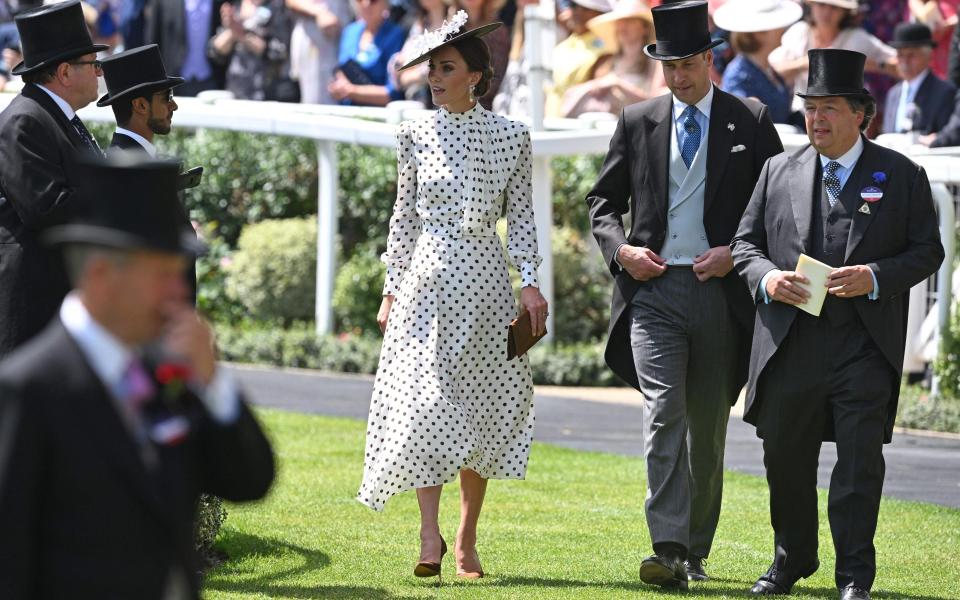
(141,95)
(40,139)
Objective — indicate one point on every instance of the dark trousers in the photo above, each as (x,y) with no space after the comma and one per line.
(685,343)
(825,377)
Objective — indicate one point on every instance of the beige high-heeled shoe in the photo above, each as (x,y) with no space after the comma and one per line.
(470,574)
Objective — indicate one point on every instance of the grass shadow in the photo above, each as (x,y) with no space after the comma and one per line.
(731,587)
(240,546)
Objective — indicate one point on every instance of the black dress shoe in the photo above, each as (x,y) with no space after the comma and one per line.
(777,582)
(694,568)
(665,571)
(852,592)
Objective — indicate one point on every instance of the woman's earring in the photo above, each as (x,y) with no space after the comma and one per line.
(472,99)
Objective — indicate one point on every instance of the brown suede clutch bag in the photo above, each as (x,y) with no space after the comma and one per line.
(520,337)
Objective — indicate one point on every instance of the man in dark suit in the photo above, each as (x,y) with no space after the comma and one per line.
(141,95)
(683,165)
(867,212)
(116,417)
(40,136)
(922,102)
(182,29)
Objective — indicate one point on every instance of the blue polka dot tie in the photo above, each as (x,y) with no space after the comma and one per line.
(691,137)
(831,181)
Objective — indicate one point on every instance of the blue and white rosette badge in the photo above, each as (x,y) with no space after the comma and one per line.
(873,193)
(429,40)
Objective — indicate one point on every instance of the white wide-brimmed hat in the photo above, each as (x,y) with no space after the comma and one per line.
(601,6)
(605,26)
(847,4)
(757,15)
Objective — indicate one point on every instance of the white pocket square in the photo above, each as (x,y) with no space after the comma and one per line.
(738,148)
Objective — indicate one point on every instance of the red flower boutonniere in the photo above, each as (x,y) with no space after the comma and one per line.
(173,377)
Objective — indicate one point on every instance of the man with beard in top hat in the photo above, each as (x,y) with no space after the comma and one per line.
(867,213)
(683,165)
(141,95)
(40,138)
(116,417)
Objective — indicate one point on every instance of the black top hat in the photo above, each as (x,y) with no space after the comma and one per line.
(912,35)
(450,38)
(835,72)
(137,70)
(681,30)
(130,204)
(53,34)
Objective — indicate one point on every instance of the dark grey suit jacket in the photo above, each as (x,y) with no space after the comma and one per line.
(934,101)
(38,152)
(899,240)
(120,144)
(634,179)
(81,515)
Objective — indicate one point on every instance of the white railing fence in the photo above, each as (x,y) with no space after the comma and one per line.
(332,125)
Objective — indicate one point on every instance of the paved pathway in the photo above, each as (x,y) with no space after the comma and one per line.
(918,467)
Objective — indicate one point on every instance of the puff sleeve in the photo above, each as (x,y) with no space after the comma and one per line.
(404,223)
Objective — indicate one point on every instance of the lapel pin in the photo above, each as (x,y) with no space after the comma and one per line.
(731,126)
(865,209)
(871,193)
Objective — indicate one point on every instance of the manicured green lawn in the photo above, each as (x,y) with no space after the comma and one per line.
(574,529)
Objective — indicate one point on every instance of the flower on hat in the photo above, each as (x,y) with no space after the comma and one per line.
(429,40)
(879,177)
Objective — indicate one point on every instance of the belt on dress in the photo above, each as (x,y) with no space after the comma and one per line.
(455,230)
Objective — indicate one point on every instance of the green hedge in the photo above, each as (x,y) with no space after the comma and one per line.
(918,410)
(299,346)
(357,293)
(273,272)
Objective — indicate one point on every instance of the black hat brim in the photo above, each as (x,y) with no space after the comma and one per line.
(476,32)
(163,84)
(851,94)
(78,233)
(22,69)
(651,51)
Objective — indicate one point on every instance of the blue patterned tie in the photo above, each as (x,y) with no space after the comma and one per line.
(691,141)
(832,182)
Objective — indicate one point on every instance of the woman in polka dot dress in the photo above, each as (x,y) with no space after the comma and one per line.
(446,400)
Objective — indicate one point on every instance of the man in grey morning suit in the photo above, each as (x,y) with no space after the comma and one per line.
(683,165)
(867,212)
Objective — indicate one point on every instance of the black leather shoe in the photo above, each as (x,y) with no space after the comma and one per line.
(694,568)
(665,571)
(776,582)
(852,592)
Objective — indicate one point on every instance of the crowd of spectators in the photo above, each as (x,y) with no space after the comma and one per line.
(348,51)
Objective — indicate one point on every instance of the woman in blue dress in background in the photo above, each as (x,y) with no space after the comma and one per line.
(366,46)
(756,27)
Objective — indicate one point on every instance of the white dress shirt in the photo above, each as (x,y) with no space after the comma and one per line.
(66,108)
(905,118)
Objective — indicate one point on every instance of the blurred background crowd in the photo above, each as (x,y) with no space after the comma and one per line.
(348,51)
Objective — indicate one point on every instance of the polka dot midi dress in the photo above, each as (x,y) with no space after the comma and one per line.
(445,396)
